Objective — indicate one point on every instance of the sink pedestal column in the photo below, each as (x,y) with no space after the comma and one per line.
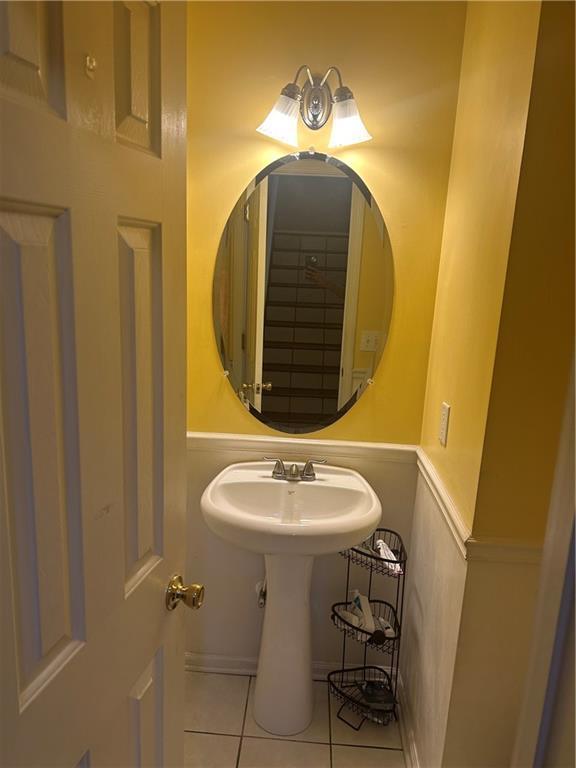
(284,696)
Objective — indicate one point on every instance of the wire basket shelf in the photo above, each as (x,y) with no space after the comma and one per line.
(366,556)
(377,640)
(349,687)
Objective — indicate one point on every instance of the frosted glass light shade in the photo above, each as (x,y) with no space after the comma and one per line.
(347,125)
(282,121)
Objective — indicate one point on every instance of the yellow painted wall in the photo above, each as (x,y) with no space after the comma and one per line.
(497,66)
(536,338)
(402,61)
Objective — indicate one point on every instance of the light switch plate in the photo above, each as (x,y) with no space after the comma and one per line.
(444,419)
(369,341)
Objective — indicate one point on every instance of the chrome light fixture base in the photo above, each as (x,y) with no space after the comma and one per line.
(316,103)
(293,91)
(342,93)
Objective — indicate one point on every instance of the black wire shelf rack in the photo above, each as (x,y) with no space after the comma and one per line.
(369,692)
(365,691)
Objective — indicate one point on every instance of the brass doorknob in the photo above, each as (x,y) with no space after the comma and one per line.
(192,595)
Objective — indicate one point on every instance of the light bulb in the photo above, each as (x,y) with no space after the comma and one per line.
(282,120)
(347,125)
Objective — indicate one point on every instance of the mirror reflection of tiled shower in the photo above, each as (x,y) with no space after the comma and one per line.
(309,219)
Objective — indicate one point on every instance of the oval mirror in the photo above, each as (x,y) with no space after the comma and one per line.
(303,291)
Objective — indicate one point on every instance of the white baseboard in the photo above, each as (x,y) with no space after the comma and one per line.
(240,665)
(406,724)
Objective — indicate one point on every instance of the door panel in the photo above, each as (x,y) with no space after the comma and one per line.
(146,714)
(41,470)
(137,73)
(92,383)
(31,60)
(141,327)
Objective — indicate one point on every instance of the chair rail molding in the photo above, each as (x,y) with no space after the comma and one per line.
(300,447)
(458,528)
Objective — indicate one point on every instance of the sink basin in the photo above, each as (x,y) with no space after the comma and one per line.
(289,523)
(246,506)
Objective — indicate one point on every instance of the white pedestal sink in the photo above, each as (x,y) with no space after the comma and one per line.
(289,523)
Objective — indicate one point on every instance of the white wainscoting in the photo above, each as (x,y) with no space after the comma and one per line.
(435,580)
(225,634)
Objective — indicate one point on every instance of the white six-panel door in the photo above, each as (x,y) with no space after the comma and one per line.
(92,381)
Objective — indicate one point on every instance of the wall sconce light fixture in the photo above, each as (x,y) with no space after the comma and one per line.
(315,102)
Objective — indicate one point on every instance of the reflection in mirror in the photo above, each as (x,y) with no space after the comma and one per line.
(303,290)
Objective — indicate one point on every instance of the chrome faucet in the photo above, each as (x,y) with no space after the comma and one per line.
(279,471)
(294,473)
(308,471)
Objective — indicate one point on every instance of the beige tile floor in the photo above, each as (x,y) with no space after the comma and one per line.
(221,732)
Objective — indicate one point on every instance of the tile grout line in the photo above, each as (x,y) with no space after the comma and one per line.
(296,741)
(369,746)
(213,733)
(223,674)
(243,723)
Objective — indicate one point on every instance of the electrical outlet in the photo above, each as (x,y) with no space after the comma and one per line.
(444,419)
(369,341)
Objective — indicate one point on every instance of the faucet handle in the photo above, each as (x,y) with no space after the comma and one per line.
(279,470)
(308,471)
